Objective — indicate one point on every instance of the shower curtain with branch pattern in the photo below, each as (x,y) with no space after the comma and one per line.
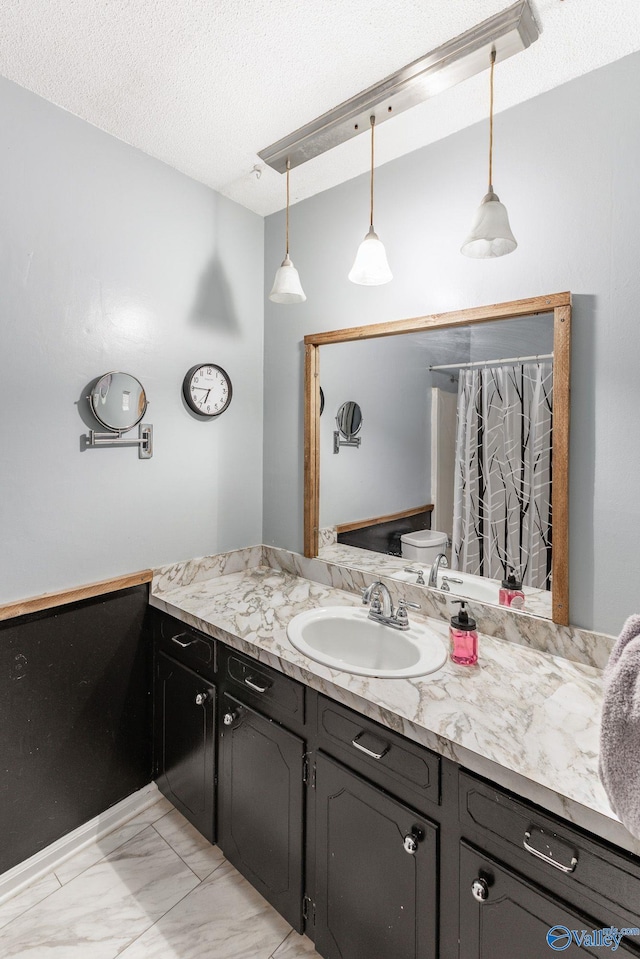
(502,495)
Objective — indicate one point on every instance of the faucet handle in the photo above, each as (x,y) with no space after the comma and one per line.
(418,572)
(404,604)
(401,612)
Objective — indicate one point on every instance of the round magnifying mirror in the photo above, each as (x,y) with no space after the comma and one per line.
(349,419)
(118,401)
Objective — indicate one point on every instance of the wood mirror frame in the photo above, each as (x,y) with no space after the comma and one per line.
(560,305)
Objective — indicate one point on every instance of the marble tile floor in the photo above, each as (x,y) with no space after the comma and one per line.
(152,889)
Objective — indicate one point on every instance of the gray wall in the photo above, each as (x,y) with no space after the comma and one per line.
(111,260)
(566,166)
(391,469)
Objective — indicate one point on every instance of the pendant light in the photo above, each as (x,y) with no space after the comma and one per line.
(286,285)
(490,234)
(370,267)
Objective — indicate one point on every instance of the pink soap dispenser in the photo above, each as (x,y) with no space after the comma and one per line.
(511,593)
(463,637)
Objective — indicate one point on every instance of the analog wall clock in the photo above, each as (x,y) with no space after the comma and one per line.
(207,389)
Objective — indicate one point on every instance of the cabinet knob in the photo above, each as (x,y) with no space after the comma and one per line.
(201,699)
(411,840)
(229,718)
(480,889)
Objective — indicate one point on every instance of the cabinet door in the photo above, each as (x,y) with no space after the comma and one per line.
(261,805)
(185,741)
(376,863)
(512,917)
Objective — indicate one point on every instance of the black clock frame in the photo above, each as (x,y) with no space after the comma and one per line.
(186,390)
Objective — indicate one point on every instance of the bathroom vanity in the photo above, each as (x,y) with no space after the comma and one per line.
(344,803)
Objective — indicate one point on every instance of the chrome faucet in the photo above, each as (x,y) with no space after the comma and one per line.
(382,610)
(380,598)
(440,560)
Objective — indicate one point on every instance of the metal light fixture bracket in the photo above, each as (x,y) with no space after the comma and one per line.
(508,32)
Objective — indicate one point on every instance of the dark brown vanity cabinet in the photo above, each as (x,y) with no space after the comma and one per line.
(184,704)
(261,805)
(528,880)
(372,844)
(503,914)
(376,840)
(376,871)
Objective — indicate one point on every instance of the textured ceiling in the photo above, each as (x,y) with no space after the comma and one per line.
(205,84)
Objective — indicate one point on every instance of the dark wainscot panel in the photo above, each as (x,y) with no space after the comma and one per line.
(74,717)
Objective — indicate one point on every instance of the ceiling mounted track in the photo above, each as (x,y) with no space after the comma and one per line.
(508,32)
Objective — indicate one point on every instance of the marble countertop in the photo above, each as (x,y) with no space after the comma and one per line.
(524,718)
(537,601)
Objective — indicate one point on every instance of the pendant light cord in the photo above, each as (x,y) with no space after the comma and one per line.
(493,60)
(373,123)
(287,230)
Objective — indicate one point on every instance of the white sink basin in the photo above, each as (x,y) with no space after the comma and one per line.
(344,638)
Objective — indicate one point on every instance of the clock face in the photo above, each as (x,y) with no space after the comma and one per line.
(207,389)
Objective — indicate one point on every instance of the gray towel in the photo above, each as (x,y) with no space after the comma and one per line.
(619,766)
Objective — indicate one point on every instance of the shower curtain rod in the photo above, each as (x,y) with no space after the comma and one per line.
(505,362)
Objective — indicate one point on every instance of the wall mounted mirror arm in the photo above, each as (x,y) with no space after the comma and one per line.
(338,441)
(144,441)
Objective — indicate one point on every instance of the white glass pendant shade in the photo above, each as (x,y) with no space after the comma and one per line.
(286,285)
(370,267)
(490,234)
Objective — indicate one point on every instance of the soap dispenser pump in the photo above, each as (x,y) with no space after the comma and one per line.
(511,592)
(463,637)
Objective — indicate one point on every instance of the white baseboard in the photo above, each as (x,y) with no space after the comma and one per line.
(45,861)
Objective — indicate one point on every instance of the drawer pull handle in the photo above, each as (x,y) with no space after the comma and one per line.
(547,857)
(248,681)
(177,641)
(368,752)
(229,718)
(411,840)
(201,699)
(480,889)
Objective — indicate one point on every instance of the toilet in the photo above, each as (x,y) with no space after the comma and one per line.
(423,545)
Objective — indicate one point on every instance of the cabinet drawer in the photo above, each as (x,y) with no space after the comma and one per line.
(503,914)
(188,646)
(409,771)
(562,856)
(273,693)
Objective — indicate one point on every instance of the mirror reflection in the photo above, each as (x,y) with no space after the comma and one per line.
(118,401)
(457,467)
(349,419)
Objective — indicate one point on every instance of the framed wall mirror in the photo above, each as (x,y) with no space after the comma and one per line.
(467,451)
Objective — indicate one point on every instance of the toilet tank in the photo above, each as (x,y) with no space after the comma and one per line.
(423,545)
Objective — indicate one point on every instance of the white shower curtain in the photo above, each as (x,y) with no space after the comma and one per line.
(502,495)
